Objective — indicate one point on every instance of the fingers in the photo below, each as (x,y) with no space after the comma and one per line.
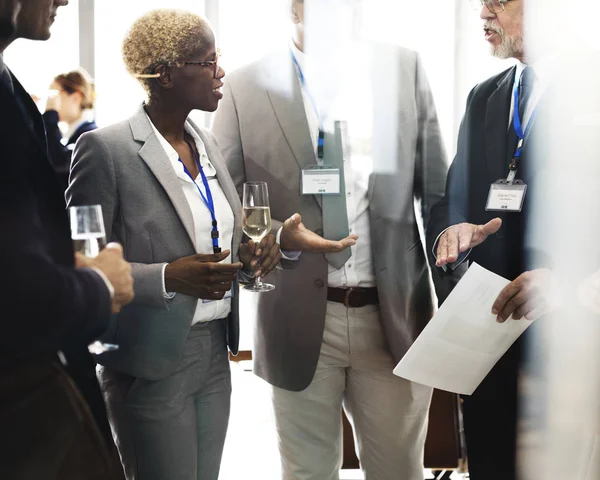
(265,244)
(492,226)
(293,221)
(81,261)
(501,306)
(535,310)
(328,246)
(269,261)
(483,231)
(447,251)
(452,244)
(211,257)
(222,268)
(115,247)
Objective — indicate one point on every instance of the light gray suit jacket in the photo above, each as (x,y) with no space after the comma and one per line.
(125,169)
(263,133)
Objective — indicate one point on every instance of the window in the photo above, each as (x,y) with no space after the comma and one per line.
(35,64)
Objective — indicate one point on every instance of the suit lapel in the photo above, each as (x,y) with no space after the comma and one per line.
(496,127)
(286,100)
(28,110)
(226,184)
(156,158)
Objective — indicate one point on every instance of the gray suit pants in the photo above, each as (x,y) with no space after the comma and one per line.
(174,428)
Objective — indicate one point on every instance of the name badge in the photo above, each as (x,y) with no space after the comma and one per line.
(506,197)
(320,181)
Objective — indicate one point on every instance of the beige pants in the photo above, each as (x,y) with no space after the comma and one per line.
(389,414)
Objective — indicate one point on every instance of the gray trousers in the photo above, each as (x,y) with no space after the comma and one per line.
(174,428)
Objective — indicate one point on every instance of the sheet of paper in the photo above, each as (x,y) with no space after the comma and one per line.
(463,341)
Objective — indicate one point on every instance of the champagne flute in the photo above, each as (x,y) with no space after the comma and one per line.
(257,222)
(89,237)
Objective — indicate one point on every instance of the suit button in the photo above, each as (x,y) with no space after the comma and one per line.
(319,232)
(319,283)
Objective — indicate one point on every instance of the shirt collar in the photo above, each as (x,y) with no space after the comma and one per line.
(544,68)
(74,127)
(174,156)
(299,55)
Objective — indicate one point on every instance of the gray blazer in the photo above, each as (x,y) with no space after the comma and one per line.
(125,169)
(263,133)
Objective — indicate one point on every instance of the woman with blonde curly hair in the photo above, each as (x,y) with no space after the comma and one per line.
(167,197)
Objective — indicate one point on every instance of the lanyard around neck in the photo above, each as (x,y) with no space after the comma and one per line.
(321,138)
(518,125)
(207,199)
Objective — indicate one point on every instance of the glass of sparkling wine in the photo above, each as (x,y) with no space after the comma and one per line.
(89,237)
(257,222)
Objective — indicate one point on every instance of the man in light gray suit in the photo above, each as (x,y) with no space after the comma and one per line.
(335,326)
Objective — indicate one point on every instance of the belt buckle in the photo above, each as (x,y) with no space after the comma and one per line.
(347,293)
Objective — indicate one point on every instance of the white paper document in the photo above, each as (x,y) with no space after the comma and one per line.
(463,341)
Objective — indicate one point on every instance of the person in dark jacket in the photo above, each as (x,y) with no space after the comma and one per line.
(52,415)
(70,102)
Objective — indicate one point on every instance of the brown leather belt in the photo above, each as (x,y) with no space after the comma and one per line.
(353,297)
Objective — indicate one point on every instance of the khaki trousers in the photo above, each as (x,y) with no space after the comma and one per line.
(354,371)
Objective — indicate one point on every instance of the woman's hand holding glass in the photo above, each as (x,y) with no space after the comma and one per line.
(202,276)
(260,258)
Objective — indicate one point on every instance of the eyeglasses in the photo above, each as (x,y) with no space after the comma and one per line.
(494,6)
(214,64)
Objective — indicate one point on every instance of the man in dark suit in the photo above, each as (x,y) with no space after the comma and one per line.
(47,305)
(491,146)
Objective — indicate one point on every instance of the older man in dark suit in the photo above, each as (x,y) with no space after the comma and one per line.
(505,115)
(47,304)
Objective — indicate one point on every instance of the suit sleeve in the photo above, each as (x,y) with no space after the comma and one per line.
(452,208)
(431,165)
(45,306)
(93,182)
(60,156)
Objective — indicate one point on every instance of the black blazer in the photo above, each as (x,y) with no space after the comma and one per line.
(60,155)
(47,305)
(484,151)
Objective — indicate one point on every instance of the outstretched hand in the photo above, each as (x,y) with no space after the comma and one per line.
(297,238)
(459,238)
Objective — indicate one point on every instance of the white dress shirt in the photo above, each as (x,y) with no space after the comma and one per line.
(358,270)
(205,310)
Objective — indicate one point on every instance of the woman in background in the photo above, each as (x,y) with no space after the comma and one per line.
(71,104)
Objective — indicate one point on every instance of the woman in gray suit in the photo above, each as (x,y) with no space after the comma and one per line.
(168,198)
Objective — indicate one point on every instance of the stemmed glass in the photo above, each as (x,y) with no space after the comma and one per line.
(257,222)
(89,237)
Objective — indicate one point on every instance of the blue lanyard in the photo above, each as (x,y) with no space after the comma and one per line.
(321,138)
(208,201)
(518,126)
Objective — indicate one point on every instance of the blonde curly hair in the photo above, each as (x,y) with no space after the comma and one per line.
(163,37)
